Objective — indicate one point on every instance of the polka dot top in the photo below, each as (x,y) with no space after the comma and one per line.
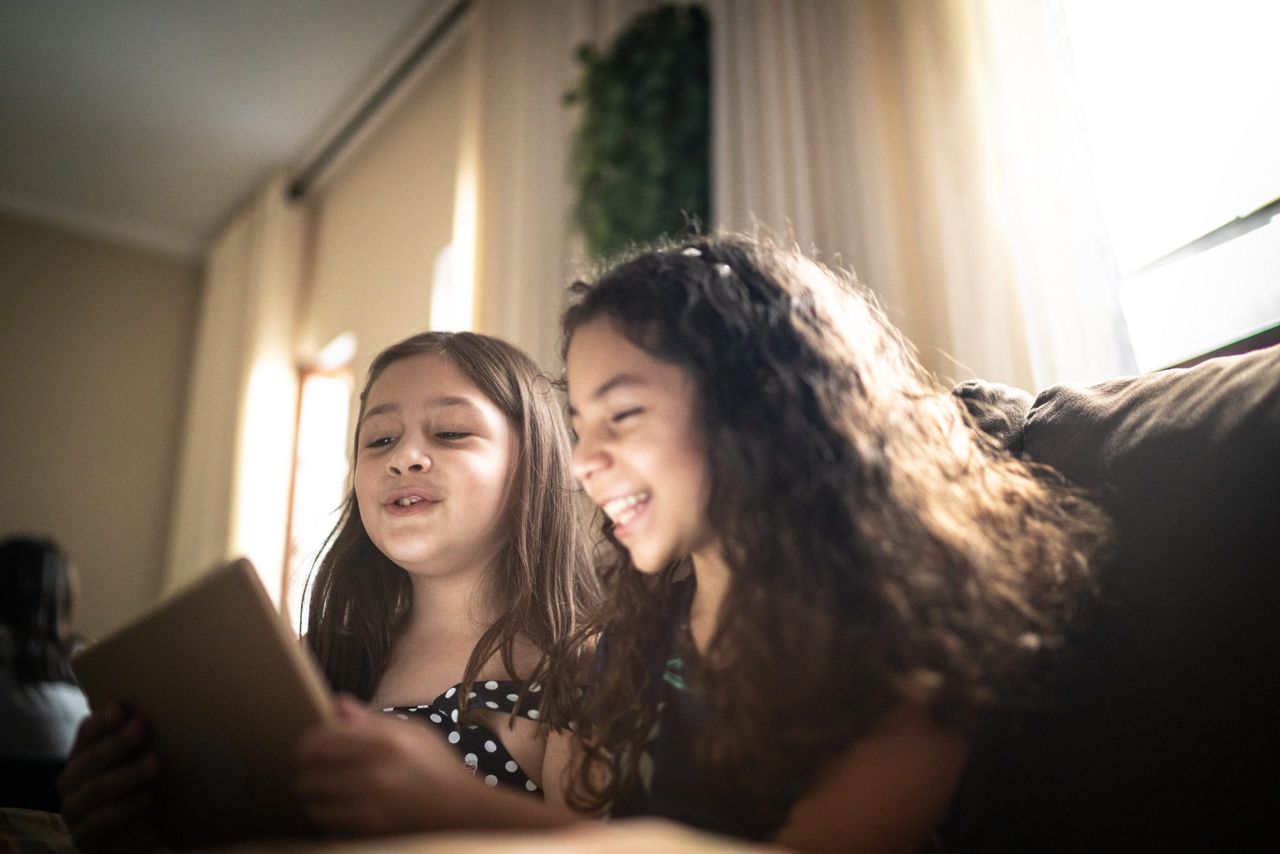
(481,750)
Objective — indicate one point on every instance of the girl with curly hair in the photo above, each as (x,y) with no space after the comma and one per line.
(822,581)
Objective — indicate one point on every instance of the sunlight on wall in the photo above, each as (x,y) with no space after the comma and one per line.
(336,355)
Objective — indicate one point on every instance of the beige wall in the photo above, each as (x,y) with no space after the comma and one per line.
(94,343)
(280,283)
(380,222)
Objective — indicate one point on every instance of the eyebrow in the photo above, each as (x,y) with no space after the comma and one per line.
(618,381)
(433,403)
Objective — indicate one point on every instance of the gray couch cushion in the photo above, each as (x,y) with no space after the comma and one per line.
(1167,733)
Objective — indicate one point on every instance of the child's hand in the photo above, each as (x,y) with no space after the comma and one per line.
(368,773)
(106,786)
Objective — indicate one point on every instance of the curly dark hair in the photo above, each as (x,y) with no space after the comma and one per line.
(881,549)
(542,581)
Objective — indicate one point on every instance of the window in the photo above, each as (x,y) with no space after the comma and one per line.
(1179,103)
(320,470)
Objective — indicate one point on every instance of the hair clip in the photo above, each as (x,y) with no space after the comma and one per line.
(724,270)
(691,252)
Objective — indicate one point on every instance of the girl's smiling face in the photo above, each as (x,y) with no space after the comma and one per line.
(433,462)
(641,452)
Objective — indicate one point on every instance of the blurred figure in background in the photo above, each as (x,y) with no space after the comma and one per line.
(40,704)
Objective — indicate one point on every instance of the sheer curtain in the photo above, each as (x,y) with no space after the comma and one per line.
(892,136)
(513,195)
(513,234)
(232,491)
(1064,264)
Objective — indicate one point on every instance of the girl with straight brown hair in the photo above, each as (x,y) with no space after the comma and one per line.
(449,596)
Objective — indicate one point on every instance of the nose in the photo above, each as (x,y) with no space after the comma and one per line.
(410,457)
(588,459)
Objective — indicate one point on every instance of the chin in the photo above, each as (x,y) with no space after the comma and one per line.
(647,562)
(410,560)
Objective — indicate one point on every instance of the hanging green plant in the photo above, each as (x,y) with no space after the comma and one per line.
(641,158)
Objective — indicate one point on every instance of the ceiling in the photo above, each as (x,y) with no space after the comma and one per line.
(148,121)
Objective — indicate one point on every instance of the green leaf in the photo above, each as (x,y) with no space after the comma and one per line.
(641,153)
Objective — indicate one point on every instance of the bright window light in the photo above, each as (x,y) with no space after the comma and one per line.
(320,479)
(262,471)
(1179,101)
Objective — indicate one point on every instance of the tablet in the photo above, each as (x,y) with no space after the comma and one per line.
(227,690)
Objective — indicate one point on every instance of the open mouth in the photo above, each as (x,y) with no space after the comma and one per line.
(626,508)
(411,503)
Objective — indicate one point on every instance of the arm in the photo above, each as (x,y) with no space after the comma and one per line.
(500,811)
(370,774)
(555,771)
(886,792)
(381,799)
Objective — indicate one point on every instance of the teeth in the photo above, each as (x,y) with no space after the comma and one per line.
(409,502)
(622,510)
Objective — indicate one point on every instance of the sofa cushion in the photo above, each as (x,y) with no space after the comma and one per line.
(1167,734)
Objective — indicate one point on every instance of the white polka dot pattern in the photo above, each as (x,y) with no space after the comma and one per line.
(481,750)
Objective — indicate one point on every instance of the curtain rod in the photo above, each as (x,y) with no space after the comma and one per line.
(306,178)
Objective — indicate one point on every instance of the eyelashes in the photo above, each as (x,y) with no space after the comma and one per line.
(443,435)
(618,419)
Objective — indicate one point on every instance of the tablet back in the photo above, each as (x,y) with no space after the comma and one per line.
(227,690)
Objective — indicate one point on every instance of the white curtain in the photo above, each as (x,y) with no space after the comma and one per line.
(514,197)
(880,133)
(1064,264)
(232,492)
(513,231)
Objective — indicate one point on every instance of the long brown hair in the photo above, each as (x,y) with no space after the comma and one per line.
(881,550)
(541,579)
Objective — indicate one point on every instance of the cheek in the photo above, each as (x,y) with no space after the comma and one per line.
(693,468)
(360,480)
(492,481)
(364,483)
(687,462)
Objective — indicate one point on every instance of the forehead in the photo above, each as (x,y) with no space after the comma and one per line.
(425,378)
(601,358)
